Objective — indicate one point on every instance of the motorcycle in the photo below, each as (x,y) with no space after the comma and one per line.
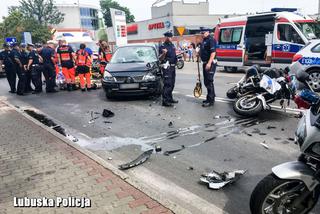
(273,86)
(180,61)
(247,83)
(294,187)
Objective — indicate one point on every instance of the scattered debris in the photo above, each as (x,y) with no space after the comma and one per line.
(107,113)
(190,168)
(92,120)
(290,139)
(170,124)
(139,160)
(150,105)
(174,157)
(285,142)
(282,129)
(158,148)
(107,122)
(221,117)
(262,134)
(271,127)
(277,138)
(256,131)
(109,158)
(167,153)
(217,180)
(227,160)
(248,134)
(264,145)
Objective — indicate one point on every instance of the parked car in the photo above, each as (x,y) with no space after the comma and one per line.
(308,60)
(133,70)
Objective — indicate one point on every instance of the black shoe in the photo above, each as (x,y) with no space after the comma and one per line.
(207,104)
(69,87)
(52,91)
(174,101)
(166,104)
(12,92)
(74,87)
(20,94)
(88,89)
(205,101)
(83,89)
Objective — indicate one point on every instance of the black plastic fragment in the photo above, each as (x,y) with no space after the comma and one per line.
(139,160)
(167,153)
(107,113)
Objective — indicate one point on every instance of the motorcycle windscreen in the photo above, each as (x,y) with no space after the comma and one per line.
(270,85)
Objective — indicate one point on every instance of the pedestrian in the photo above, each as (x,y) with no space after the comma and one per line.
(18,67)
(168,57)
(5,59)
(66,62)
(34,68)
(190,53)
(24,60)
(83,63)
(48,55)
(104,56)
(207,55)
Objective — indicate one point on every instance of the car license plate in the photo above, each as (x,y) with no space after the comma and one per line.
(129,86)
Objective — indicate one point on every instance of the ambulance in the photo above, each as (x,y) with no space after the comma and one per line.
(268,39)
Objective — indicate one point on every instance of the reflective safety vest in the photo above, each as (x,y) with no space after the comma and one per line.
(82,58)
(106,56)
(65,54)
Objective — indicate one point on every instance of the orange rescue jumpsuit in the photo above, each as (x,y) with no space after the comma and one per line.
(83,63)
(65,53)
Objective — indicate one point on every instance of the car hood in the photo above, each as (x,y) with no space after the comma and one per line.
(127,68)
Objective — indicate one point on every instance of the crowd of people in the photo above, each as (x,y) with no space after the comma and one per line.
(31,62)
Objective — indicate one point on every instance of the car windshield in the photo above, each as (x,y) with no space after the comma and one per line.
(311,30)
(134,55)
(92,45)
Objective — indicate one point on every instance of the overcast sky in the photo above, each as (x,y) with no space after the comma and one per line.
(141,8)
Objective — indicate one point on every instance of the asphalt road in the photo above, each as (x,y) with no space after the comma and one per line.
(221,144)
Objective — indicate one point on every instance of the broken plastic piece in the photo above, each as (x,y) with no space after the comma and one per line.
(217,180)
(107,113)
(158,148)
(167,153)
(139,160)
(264,145)
(170,124)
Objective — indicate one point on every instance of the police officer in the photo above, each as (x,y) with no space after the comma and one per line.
(207,55)
(34,68)
(18,66)
(5,59)
(24,60)
(48,55)
(168,57)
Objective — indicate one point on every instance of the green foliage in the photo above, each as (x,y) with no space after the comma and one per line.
(105,7)
(43,11)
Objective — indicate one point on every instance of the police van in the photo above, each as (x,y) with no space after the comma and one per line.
(269,39)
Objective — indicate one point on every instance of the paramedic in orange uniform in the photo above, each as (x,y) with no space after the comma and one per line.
(104,56)
(83,62)
(66,61)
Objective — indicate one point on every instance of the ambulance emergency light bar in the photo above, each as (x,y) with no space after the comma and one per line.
(284,10)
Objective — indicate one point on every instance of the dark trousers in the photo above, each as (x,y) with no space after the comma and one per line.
(28,87)
(208,81)
(169,79)
(49,75)
(11,77)
(22,80)
(36,77)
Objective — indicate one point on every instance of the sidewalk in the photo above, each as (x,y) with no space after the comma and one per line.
(36,164)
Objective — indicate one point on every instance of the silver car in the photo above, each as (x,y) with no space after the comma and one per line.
(308,59)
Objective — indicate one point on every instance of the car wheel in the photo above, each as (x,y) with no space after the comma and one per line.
(230,69)
(314,80)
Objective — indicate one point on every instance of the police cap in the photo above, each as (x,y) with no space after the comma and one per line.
(14,44)
(5,45)
(203,30)
(38,45)
(30,45)
(23,45)
(168,34)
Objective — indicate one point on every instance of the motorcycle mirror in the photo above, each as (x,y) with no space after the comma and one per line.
(302,76)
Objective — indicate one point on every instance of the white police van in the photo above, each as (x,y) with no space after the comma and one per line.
(308,59)
(269,39)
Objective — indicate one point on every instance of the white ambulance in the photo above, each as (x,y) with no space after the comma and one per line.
(269,39)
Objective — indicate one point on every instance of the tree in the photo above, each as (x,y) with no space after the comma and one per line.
(43,11)
(15,23)
(105,7)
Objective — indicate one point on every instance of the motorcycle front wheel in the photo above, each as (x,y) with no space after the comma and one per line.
(275,196)
(180,64)
(246,107)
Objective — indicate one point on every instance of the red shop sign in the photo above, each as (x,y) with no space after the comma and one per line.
(132,29)
(154,26)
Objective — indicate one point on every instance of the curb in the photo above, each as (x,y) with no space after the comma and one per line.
(175,208)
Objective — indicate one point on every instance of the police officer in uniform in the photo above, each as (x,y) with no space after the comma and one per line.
(18,66)
(24,60)
(48,55)
(168,58)
(207,55)
(5,59)
(34,68)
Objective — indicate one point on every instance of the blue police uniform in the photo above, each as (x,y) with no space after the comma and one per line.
(9,69)
(207,47)
(169,74)
(49,73)
(16,56)
(35,71)
(24,60)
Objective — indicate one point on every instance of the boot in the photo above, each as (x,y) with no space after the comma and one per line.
(69,87)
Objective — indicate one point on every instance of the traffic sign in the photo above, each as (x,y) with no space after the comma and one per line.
(181,30)
(11,40)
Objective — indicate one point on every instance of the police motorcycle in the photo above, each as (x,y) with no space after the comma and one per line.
(247,83)
(180,61)
(273,86)
(294,187)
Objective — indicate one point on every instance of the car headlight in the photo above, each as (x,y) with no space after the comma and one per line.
(108,77)
(301,132)
(149,77)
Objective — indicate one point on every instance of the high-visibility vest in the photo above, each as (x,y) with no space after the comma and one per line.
(106,56)
(82,58)
(65,54)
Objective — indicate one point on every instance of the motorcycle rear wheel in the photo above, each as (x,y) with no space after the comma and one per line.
(273,195)
(180,64)
(247,109)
